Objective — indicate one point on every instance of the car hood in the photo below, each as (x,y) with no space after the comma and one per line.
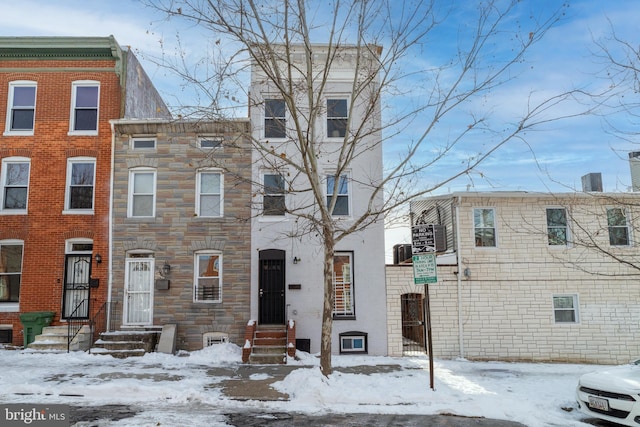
(621,379)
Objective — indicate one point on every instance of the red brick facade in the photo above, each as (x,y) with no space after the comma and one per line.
(46,227)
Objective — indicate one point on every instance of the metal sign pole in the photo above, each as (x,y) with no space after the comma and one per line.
(427,310)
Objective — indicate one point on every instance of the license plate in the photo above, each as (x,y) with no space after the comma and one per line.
(599,403)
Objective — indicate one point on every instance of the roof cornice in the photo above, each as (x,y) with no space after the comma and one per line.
(52,48)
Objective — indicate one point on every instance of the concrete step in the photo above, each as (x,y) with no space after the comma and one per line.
(127,343)
(55,338)
(267,359)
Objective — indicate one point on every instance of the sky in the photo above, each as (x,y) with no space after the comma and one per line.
(551,158)
(166,387)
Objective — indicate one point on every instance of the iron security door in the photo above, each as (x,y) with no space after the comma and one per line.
(139,291)
(413,322)
(75,298)
(271,283)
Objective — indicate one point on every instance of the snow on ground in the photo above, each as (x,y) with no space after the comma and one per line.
(167,386)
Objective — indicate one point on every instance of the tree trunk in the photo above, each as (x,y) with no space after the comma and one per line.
(327,310)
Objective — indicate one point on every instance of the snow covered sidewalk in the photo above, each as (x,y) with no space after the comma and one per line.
(215,380)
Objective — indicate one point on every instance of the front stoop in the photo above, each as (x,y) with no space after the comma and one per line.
(122,344)
(269,344)
(55,339)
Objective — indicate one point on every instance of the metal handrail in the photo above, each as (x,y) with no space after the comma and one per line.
(72,331)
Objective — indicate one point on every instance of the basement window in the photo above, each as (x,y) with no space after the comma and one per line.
(353,342)
(212,338)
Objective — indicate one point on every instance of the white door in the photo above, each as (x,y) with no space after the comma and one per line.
(138,293)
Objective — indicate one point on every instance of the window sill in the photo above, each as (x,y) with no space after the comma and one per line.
(350,317)
(18,133)
(83,133)
(78,212)
(13,212)
(208,302)
(9,307)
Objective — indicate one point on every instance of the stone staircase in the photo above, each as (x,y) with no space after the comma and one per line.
(55,338)
(126,343)
(269,345)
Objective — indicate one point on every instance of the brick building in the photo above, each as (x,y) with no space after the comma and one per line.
(526,276)
(181,228)
(57,95)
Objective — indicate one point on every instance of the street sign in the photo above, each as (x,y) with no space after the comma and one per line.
(423,239)
(424,269)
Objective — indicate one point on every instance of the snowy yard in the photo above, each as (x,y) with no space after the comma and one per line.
(167,386)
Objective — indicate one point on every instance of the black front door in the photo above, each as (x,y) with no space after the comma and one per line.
(271,287)
(75,299)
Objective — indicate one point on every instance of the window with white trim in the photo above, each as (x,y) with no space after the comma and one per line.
(337,116)
(341,191)
(353,342)
(15,184)
(10,270)
(273,200)
(274,118)
(557,230)
(343,303)
(21,108)
(208,280)
(80,184)
(484,226)
(142,193)
(209,190)
(85,96)
(143,143)
(565,308)
(618,227)
(210,142)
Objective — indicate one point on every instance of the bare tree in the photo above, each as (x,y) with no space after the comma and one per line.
(430,106)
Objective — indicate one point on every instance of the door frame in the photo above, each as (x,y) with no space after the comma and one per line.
(125,304)
(82,249)
(271,316)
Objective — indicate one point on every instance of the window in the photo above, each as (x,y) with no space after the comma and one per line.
(210,142)
(336,118)
(618,227)
(208,281)
(142,193)
(10,271)
(342,194)
(557,226)
(343,304)
(484,227)
(84,111)
(565,308)
(353,342)
(142,143)
(209,201)
(274,118)
(15,184)
(22,107)
(80,184)
(273,202)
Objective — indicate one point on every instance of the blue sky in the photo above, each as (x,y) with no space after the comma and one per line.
(553,158)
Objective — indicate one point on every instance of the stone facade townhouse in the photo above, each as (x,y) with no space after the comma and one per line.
(57,95)
(181,228)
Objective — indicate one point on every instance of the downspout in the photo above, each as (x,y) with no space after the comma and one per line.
(459,276)
(110,222)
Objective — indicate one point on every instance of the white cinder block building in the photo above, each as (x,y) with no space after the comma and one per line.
(527,276)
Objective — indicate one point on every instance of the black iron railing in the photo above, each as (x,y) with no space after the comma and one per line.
(106,319)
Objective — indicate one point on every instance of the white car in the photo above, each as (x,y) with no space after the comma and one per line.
(612,394)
